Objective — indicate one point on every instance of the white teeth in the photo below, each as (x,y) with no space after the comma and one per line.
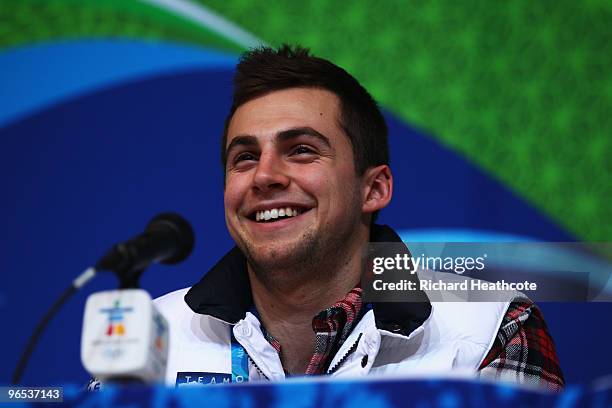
(275,213)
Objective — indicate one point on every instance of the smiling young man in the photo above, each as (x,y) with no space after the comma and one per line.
(306,170)
(298,210)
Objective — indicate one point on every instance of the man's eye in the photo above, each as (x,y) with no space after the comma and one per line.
(302,150)
(244,156)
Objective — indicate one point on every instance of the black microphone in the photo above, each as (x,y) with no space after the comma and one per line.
(168,239)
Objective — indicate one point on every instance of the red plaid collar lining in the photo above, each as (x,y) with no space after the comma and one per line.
(331,327)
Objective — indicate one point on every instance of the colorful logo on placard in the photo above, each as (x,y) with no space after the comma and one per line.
(116,324)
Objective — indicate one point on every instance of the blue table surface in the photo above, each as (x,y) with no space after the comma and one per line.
(325,393)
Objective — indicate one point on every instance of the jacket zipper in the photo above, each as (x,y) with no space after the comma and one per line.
(332,370)
(345,356)
(256,366)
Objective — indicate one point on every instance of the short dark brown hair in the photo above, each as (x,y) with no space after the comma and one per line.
(263,70)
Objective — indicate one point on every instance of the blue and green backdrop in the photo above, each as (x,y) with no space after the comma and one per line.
(111,111)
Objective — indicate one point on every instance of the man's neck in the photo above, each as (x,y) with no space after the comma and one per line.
(287,309)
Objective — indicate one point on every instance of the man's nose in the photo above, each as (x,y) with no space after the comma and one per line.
(271,173)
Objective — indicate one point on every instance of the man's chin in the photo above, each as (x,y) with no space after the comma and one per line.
(273,257)
(281,255)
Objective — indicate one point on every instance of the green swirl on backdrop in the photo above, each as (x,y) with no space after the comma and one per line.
(522,89)
(30,21)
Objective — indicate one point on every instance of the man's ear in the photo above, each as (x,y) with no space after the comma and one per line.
(377,188)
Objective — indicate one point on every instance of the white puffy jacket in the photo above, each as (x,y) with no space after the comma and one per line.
(392,339)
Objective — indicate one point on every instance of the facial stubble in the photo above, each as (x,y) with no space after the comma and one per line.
(314,256)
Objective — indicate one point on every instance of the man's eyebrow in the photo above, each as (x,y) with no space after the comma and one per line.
(241,140)
(282,136)
(289,134)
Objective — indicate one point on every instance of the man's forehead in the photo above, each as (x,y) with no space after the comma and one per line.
(278,111)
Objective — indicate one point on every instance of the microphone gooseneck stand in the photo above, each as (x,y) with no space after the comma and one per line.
(78,283)
(127,280)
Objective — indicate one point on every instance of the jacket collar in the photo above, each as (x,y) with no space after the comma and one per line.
(225,293)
